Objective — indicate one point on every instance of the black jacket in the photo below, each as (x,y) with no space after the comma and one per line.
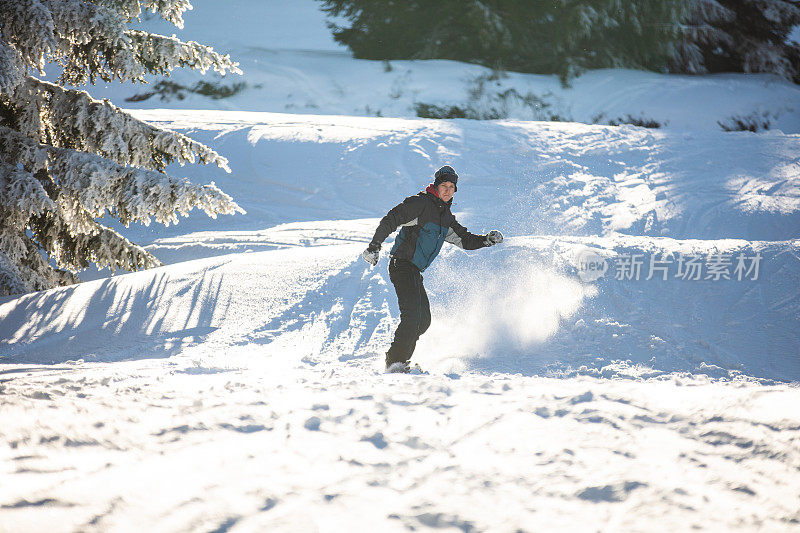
(426,222)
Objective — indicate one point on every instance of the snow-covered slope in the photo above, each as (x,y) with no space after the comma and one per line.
(240,387)
(242,393)
(291,64)
(259,440)
(242,390)
(312,185)
(529,177)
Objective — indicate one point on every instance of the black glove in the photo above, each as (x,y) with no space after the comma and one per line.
(372,254)
(493,237)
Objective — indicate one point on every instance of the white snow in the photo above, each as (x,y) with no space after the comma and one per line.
(241,387)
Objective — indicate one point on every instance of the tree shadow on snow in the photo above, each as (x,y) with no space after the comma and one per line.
(119,321)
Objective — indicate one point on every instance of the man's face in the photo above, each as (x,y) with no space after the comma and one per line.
(446,190)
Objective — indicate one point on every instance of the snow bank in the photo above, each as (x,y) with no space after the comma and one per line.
(326,305)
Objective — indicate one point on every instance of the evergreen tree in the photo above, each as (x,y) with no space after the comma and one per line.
(67,160)
(568,36)
(739,36)
(700,31)
(542,36)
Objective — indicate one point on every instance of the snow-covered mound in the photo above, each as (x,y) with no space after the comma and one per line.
(324,304)
(557,191)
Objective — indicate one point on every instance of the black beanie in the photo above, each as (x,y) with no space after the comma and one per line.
(446,173)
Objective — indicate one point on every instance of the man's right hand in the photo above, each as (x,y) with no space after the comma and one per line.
(493,237)
(372,254)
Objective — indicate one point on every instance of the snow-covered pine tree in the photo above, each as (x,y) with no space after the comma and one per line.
(542,36)
(67,159)
(699,31)
(593,34)
(739,36)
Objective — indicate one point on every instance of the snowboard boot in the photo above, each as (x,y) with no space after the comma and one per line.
(395,366)
(400,367)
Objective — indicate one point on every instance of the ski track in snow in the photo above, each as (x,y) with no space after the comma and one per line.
(239,388)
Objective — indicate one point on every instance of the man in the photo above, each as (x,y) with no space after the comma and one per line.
(426,223)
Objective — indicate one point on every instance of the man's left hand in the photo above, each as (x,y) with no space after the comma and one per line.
(493,237)
(372,254)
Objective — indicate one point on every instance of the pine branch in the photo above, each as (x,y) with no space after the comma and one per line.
(709,11)
(31,274)
(12,69)
(160,55)
(140,53)
(102,186)
(766,57)
(94,243)
(63,228)
(92,41)
(170,10)
(27,25)
(706,34)
(777,12)
(68,118)
(22,267)
(20,191)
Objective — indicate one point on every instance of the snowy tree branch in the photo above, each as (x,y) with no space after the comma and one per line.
(74,239)
(22,267)
(159,54)
(101,186)
(90,40)
(27,25)
(171,10)
(12,70)
(49,113)
(19,190)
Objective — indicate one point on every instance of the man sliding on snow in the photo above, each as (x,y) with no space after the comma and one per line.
(426,223)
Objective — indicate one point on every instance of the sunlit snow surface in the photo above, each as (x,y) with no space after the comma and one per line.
(240,387)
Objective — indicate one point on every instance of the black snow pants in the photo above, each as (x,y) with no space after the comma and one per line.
(415,310)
